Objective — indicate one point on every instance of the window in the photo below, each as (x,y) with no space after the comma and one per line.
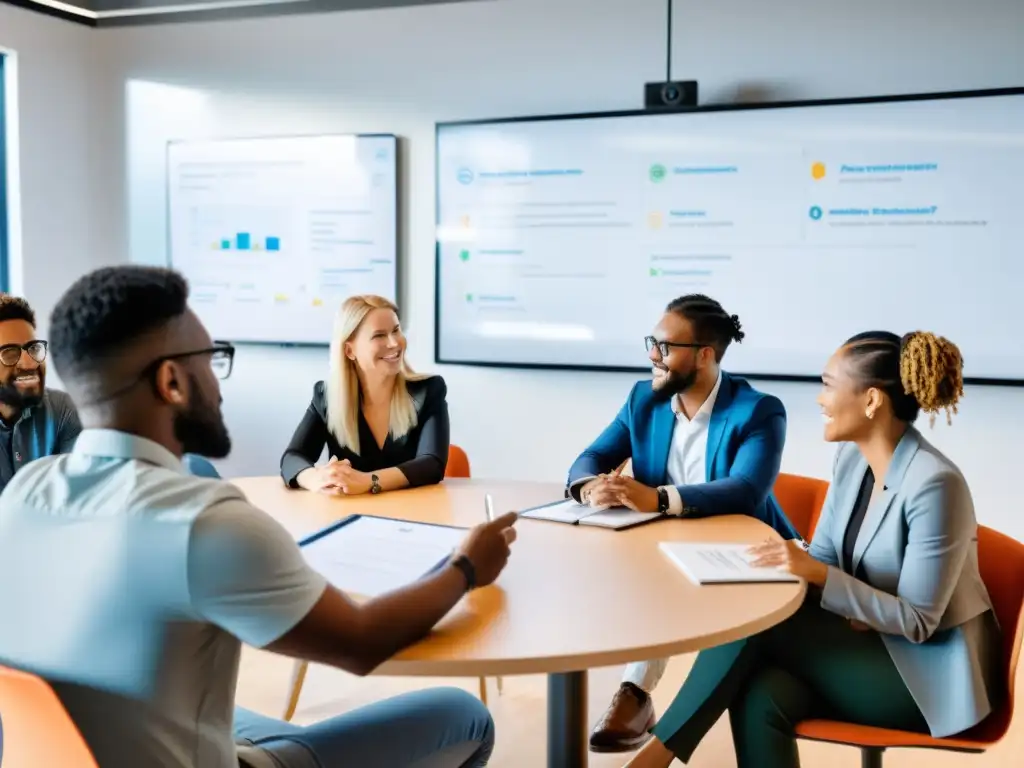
(4,273)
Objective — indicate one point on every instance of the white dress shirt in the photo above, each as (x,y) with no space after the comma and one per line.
(687,457)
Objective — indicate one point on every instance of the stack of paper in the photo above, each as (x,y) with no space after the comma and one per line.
(708,563)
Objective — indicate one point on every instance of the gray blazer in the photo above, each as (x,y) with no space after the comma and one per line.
(918,548)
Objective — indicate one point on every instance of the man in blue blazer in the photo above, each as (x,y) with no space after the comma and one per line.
(702,443)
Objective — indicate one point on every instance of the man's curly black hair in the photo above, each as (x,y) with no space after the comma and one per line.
(16,308)
(107,309)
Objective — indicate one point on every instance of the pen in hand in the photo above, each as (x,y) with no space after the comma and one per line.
(489,507)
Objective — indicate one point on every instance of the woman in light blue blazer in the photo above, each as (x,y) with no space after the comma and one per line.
(897,630)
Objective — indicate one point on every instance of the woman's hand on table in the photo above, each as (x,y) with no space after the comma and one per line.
(791,557)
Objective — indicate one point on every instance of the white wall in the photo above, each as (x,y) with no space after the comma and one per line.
(400,71)
(70,139)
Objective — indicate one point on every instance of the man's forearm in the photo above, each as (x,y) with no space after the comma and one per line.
(398,619)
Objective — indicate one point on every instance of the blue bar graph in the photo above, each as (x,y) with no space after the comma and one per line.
(273,244)
(225,245)
(242,241)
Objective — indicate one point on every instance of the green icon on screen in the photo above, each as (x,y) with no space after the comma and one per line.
(469,297)
(464,255)
(658,172)
(654,272)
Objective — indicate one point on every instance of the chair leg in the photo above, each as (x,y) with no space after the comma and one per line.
(483,690)
(298,678)
(871,757)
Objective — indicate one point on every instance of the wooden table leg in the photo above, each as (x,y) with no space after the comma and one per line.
(567,720)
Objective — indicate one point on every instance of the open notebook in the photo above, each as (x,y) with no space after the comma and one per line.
(568,511)
(708,563)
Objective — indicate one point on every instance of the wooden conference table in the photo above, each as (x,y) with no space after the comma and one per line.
(571,598)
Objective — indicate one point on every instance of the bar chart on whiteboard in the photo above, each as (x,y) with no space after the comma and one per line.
(274,234)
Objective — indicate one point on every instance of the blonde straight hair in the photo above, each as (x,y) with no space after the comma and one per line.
(343,395)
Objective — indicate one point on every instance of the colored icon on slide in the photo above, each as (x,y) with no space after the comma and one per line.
(654,220)
(464,255)
(815,212)
(657,172)
(465,176)
(817,171)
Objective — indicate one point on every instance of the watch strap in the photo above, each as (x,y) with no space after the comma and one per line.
(663,500)
(465,565)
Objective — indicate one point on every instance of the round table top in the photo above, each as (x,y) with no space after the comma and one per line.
(571,598)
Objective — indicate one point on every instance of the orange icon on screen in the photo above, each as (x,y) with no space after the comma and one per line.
(818,171)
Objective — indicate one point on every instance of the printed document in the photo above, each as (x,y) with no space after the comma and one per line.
(373,555)
(707,563)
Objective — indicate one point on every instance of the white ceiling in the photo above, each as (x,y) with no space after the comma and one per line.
(107,13)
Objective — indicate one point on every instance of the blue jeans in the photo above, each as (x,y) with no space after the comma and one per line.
(436,728)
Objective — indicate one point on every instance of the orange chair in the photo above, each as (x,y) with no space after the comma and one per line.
(37,730)
(1002,569)
(458,462)
(801,498)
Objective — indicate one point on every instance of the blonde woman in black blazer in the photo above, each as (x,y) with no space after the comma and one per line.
(384,426)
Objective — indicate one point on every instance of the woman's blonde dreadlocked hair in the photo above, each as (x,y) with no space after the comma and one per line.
(931,370)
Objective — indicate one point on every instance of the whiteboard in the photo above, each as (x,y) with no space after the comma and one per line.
(561,240)
(273,234)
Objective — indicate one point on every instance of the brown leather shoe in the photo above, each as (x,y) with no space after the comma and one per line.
(625,725)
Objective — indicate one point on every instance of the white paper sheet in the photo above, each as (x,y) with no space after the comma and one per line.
(373,555)
(567,511)
(708,563)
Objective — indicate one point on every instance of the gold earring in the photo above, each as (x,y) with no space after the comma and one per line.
(870,414)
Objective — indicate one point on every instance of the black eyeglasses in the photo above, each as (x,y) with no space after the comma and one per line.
(10,354)
(664,347)
(222,361)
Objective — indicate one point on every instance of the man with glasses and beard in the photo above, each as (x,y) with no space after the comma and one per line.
(702,443)
(130,585)
(34,421)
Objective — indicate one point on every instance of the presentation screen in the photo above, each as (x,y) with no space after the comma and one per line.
(273,234)
(561,240)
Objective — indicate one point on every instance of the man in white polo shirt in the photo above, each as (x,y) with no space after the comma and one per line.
(130,585)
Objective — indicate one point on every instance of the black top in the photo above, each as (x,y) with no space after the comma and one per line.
(860,509)
(421,455)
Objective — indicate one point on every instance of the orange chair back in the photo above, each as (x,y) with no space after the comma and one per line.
(458,462)
(1001,559)
(801,498)
(37,730)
